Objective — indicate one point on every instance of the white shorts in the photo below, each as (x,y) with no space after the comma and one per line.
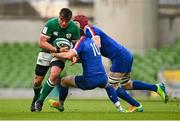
(55,59)
(44,59)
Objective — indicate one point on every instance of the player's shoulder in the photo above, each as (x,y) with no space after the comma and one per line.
(86,40)
(92,29)
(72,24)
(83,39)
(52,19)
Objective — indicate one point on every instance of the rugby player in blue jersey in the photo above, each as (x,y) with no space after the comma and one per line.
(94,74)
(120,69)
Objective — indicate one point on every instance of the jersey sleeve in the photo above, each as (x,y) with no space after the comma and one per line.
(79,46)
(48,28)
(90,33)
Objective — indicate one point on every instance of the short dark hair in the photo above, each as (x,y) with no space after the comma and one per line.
(65,13)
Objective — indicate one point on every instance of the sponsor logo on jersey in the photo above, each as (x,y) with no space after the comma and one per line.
(68,36)
(55,33)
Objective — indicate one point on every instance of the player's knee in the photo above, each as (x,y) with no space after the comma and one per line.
(62,81)
(114,81)
(125,82)
(54,74)
(127,85)
(68,81)
(115,86)
(53,79)
(118,77)
(38,80)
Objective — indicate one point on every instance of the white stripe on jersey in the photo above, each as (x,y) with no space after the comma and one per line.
(45,35)
(92,34)
(77,45)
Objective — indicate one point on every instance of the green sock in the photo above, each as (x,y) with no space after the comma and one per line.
(37,91)
(46,90)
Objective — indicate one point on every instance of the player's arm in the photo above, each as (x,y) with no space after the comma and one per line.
(43,43)
(75,59)
(73,53)
(91,34)
(46,34)
(66,55)
(97,40)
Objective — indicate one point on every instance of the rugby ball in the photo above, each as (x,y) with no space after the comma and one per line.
(62,42)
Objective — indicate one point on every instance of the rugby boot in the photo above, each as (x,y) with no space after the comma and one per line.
(56,104)
(136,109)
(161,90)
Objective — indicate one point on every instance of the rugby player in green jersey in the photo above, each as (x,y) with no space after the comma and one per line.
(62,27)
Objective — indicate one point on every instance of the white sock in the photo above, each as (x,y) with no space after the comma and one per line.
(118,105)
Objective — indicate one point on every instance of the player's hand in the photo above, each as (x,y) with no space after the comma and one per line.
(53,54)
(74,60)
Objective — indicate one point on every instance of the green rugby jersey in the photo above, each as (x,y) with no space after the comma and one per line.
(54,30)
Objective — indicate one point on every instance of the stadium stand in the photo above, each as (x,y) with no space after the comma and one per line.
(18,63)
(146,67)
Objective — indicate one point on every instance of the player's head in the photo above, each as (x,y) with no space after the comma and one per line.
(65,16)
(81,20)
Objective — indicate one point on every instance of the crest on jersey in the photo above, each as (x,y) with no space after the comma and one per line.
(68,36)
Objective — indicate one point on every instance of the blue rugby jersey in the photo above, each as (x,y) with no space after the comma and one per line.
(109,47)
(120,56)
(90,57)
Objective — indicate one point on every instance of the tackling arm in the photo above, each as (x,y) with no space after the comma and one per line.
(66,55)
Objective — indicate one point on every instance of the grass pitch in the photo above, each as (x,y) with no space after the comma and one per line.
(19,109)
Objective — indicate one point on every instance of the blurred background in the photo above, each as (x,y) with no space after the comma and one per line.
(149,28)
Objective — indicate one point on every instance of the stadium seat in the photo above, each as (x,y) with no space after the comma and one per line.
(18,63)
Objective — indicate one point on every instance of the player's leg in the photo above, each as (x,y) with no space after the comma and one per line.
(66,82)
(56,68)
(113,97)
(102,82)
(125,66)
(37,86)
(138,85)
(119,73)
(115,80)
(37,89)
(42,66)
(63,74)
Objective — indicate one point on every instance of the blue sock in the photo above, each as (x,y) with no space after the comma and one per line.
(125,96)
(63,92)
(112,94)
(138,85)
